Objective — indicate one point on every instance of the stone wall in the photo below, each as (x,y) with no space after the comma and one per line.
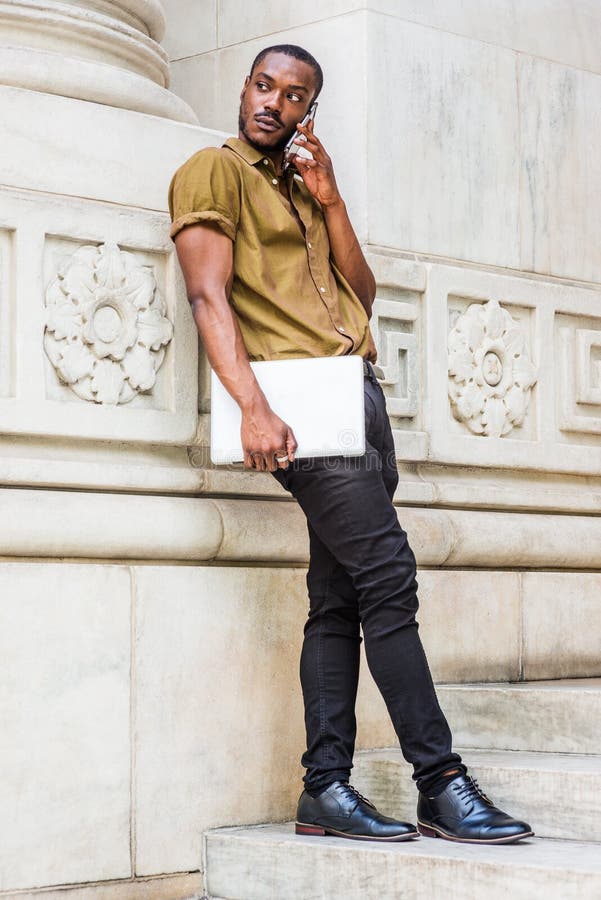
(152,606)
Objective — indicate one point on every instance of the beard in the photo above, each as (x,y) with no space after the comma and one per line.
(263,141)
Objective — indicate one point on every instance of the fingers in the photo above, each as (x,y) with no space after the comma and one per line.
(268,452)
(312,144)
(254,459)
(291,444)
(267,462)
(259,462)
(308,132)
(300,161)
(282,462)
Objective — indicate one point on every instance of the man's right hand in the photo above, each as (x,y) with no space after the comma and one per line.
(264,437)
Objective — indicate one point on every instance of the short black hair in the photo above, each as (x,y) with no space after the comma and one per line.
(296,53)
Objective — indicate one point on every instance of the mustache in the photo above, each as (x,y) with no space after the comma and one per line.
(269,115)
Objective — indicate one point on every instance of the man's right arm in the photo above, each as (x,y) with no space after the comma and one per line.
(206,258)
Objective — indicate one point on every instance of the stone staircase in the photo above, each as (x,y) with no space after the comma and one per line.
(534,748)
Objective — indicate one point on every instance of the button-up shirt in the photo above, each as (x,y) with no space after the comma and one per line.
(289,298)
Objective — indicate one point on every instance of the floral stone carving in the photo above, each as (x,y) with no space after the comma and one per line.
(106,328)
(490,371)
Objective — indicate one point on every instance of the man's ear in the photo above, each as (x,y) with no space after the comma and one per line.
(246,83)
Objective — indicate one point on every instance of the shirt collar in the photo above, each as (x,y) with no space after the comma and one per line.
(249,154)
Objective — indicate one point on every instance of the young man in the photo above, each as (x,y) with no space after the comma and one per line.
(273,270)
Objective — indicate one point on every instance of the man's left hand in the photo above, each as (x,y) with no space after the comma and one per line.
(317,173)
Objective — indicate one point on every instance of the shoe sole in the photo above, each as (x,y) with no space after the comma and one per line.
(318,831)
(430,831)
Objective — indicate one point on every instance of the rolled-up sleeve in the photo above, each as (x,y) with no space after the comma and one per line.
(206,189)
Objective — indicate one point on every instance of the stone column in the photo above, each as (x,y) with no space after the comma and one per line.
(106,51)
(91,138)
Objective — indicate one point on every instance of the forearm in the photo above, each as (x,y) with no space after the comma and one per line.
(224,346)
(347,254)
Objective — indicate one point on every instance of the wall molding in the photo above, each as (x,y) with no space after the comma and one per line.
(70,524)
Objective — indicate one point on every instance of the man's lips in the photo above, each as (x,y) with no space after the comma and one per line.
(267,123)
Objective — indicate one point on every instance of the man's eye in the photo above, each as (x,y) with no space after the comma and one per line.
(261,85)
(294,97)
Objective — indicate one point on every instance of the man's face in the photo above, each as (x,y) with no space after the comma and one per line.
(275,97)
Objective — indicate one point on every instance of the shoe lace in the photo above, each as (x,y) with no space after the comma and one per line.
(349,789)
(471,790)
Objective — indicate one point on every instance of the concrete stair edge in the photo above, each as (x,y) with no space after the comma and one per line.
(557,794)
(270,862)
(552,716)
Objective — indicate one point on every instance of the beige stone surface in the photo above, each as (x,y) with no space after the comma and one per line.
(219,721)
(166,469)
(64,707)
(470,624)
(99,52)
(55,523)
(73,524)
(561,30)
(500,489)
(434,147)
(238,23)
(551,716)
(561,229)
(272,863)
(374,728)
(191,27)
(555,793)
(96,169)
(562,638)
(168,887)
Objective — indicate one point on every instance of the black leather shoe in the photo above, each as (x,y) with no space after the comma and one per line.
(464,813)
(341,810)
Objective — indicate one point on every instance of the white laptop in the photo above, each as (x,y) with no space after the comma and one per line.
(321,398)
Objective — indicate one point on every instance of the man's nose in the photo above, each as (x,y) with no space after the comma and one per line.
(274,101)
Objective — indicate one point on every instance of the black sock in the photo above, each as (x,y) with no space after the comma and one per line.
(314,792)
(440,783)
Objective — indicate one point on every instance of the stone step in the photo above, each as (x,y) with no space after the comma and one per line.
(557,794)
(270,862)
(551,716)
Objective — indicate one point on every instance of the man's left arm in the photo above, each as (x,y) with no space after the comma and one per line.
(318,175)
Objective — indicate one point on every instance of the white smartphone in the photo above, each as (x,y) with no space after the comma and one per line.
(290,150)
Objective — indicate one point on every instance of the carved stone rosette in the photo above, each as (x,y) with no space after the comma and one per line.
(106,327)
(490,372)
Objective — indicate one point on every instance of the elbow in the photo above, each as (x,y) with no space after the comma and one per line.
(201,301)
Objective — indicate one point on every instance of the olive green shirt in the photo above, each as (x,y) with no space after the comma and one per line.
(289,298)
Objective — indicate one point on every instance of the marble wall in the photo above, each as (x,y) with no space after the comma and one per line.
(151,605)
(144,703)
(471,132)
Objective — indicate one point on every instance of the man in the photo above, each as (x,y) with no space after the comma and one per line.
(273,270)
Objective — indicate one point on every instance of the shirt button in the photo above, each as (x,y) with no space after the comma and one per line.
(341,330)
(274,181)
(323,290)
(309,245)
(265,162)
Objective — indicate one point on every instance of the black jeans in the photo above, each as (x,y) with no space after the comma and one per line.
(362,576)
